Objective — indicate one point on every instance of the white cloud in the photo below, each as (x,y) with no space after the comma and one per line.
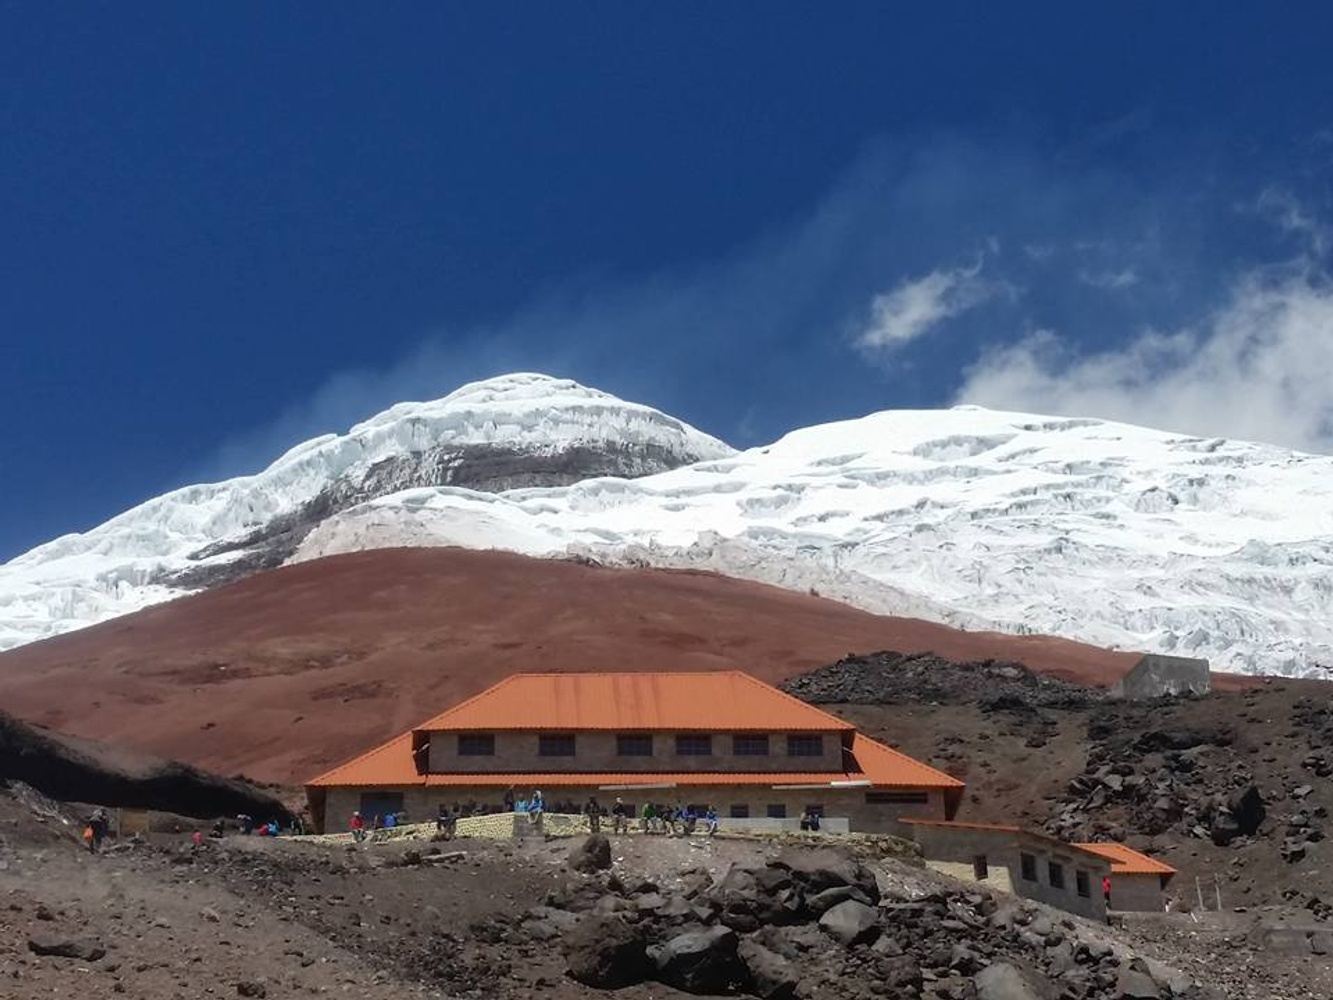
(1260,369)
(919,304)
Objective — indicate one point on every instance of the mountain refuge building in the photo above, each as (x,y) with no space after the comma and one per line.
(757,755)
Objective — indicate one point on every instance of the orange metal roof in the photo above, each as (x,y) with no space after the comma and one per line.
(719,702)
(1127,861)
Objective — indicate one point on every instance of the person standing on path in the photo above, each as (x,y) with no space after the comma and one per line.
(594,814)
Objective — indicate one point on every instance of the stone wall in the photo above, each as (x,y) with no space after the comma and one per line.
(517,753)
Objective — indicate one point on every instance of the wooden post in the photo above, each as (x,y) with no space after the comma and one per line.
(1199,889)
(1217,886)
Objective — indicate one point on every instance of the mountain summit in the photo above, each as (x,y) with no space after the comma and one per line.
(519,430)
(1108,533)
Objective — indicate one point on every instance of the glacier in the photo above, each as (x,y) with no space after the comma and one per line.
(1117,535)
(1113,534)
(522,427)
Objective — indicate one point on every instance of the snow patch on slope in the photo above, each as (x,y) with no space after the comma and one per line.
(1105,532)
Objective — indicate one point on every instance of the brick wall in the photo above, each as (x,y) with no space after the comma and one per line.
(518,752)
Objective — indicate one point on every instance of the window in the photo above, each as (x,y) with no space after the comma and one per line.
(896,798)
(555,745)
(699,808)
(776,810)
(476,744)
(750,745)
(1081,883)
(1027,867)
(805,746)
(816,809)
(740,811)
(634,745)
(1056,871)
(980,870)
(694,745)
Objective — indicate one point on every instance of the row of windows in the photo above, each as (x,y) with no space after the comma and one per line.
(641,745)
(1055,874)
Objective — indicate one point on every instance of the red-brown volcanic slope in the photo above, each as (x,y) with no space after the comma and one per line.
(288,672)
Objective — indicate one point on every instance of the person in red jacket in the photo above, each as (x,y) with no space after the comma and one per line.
(358,827)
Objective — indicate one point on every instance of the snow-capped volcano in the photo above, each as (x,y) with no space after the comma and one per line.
(515,430)
(1105,532)
(1113,534)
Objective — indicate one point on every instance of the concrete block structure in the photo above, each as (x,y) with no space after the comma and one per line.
(1018,861)
(1158,676)
(723,739)
(1138,882)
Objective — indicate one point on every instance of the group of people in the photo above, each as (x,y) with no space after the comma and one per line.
(380,821)
(677,821)
(249,827)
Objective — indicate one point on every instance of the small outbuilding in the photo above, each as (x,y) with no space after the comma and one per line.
(1138,882)
(1160,676)
(1012,859)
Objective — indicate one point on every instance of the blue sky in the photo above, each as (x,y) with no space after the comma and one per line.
(229,228)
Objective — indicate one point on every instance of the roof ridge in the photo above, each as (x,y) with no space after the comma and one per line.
(466,701)
(840,723)
(406,734)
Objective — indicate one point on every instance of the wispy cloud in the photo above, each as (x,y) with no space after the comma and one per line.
(917,305)
(776,333)
(1257,369)
(1286,210)
(1111,281)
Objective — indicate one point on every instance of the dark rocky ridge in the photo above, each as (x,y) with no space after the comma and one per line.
(890,678)
(487,468)
(73,770)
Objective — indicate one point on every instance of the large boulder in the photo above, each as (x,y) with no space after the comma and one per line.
(771,976)
(606,952)
(1247,806)
(821,902)
(1223,827)
(593,855)
(825,868)
(1001,981)
(749,898)
(85,949)
(701,961)
(850,922)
